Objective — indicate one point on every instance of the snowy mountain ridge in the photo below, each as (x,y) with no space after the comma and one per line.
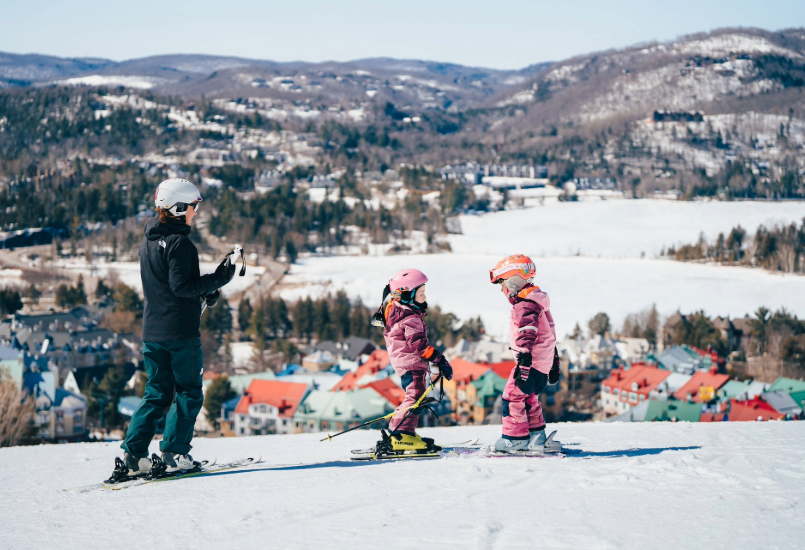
(652,485)
(679,75)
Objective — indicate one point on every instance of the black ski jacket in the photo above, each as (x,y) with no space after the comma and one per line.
(172,285)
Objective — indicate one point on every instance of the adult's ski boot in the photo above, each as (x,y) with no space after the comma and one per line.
(130,467)
(178,463)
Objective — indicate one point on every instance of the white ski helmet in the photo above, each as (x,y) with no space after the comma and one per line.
(175,194)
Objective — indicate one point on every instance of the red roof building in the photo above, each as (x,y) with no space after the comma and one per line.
(624,389)
(393,393)
(752,410)
(700,379)
(465,372)
(502,369)
(378,360)
(284,396)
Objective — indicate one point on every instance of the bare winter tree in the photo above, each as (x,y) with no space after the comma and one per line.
(16,412)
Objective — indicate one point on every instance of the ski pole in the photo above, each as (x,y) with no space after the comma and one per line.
(389,415)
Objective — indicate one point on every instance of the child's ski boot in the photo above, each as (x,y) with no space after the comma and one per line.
(505,445)
(403,443)
(546,443)
(413,443)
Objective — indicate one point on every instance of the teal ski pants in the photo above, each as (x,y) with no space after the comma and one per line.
(174,371)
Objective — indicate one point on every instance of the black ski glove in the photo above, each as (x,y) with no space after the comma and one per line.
(553,376)
(224,272)
(213,298)
(445,368)
(522,370)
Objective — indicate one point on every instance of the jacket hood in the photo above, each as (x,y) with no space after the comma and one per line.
(154,230)
(534,294)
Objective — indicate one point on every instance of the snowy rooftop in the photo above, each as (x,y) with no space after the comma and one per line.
(643,485)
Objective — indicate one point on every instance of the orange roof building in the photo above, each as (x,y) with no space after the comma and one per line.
(378,360)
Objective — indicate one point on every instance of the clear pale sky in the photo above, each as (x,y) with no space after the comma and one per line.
(498,34)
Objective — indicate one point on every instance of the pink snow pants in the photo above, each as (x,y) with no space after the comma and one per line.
(413,382)
(521,412)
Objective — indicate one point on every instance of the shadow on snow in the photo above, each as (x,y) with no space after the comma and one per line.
(631,452)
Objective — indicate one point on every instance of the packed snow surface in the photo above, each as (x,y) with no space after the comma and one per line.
(652,485)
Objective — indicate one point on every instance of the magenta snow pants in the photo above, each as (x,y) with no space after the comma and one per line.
(413,382)
(522,412)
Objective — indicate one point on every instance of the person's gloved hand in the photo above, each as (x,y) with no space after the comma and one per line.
(522,370)
(213,298)
(225,271)
(445,368)
(553,376)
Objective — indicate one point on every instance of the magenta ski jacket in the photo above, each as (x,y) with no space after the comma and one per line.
(406,337)
(531,327)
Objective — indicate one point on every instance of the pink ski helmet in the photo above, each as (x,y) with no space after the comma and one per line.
(403,285)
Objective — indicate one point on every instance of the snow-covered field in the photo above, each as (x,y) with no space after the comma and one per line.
(654,485)
(608,275)
(579,287)
(616,229)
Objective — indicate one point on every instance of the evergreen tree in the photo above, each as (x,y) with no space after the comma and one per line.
(127,299)
(112,386)
(323,324)
(217,320)
(341,314)
(10,301)
(32,293)
(102,290)
(599,324)
(79,294)
(244,314)
(218,392)
(303,318)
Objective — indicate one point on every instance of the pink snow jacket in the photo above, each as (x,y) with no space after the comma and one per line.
(406,337)
(531,327)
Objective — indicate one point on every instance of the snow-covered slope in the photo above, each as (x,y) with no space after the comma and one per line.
(609,276)
(736,486)
(579,287)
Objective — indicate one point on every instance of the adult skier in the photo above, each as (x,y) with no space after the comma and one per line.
(406,335)
(533,342)
(174,291)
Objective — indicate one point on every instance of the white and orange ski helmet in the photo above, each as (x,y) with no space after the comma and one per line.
(512,273)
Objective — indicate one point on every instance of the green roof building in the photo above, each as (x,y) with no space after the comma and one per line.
(666,411)
(327,410)
(787,385)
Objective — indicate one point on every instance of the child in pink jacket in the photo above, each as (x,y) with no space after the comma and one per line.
(406,336)
(533,342)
